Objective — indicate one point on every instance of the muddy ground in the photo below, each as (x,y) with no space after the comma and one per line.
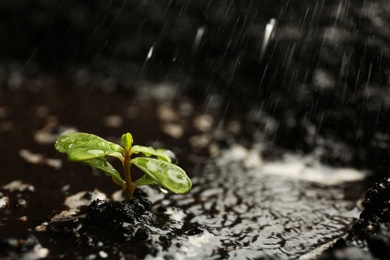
(282,136)
(250,197)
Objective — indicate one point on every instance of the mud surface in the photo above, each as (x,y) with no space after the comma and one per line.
(242,203)
(369,236)
(259,216)
(278,111)
(117,229)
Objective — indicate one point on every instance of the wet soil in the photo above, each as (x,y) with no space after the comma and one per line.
(241,203)
(281,136)
(118,229)
(369,236)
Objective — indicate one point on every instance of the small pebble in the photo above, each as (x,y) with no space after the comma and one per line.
(42,227)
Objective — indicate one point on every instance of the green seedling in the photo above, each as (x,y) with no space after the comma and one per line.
(93,150)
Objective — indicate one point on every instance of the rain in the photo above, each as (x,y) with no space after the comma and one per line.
(277,110)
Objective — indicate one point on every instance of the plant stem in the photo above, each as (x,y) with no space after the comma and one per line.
(130,187)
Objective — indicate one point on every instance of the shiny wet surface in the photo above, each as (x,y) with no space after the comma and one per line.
(243,209)
(256,215)
(278,88)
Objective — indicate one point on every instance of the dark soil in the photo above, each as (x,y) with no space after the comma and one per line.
(372,231)
(118,229)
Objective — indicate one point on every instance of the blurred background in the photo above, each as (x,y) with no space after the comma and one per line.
(321,64)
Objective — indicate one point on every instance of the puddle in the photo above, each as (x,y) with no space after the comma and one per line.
(257,215)
(249,198)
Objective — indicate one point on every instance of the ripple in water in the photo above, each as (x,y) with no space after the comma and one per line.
(252,215)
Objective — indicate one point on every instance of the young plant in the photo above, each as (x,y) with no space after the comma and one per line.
(92,150)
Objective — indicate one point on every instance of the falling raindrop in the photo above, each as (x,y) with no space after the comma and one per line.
(268,32)
(198,38)
(171,155)
(150,53)
(163,190)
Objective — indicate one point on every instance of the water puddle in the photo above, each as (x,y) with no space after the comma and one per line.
(242,204)
(255,214)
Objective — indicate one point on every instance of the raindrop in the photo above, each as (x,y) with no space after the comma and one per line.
(171,155)
(150,53)
(269,30)
(95,152)
(151,166)
(176,176)
(198,38)
(163,190)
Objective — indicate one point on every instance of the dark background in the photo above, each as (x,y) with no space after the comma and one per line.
(325,68)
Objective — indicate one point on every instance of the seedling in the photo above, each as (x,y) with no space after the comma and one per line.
(93,150)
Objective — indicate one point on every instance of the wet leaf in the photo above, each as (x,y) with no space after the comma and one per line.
(82,146)
(86,153)
(166,155)
(166,174)
(148,151)
(146,180)
(127,140)
(107,168)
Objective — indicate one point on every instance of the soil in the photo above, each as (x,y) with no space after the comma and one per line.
(369,236)
(108,228)
(281,137)
(241,204)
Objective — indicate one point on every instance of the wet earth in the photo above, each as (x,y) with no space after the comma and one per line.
(250,198)
(277,110)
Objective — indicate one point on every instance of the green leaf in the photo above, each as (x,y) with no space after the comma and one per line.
(127,140)
(166,155)
(107,168)
(86,153)
(166,174)
(146,180)
(82,146)
(148,151)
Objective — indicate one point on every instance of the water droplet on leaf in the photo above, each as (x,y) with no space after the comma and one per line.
(176,176)
(151,166)
(95,152)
